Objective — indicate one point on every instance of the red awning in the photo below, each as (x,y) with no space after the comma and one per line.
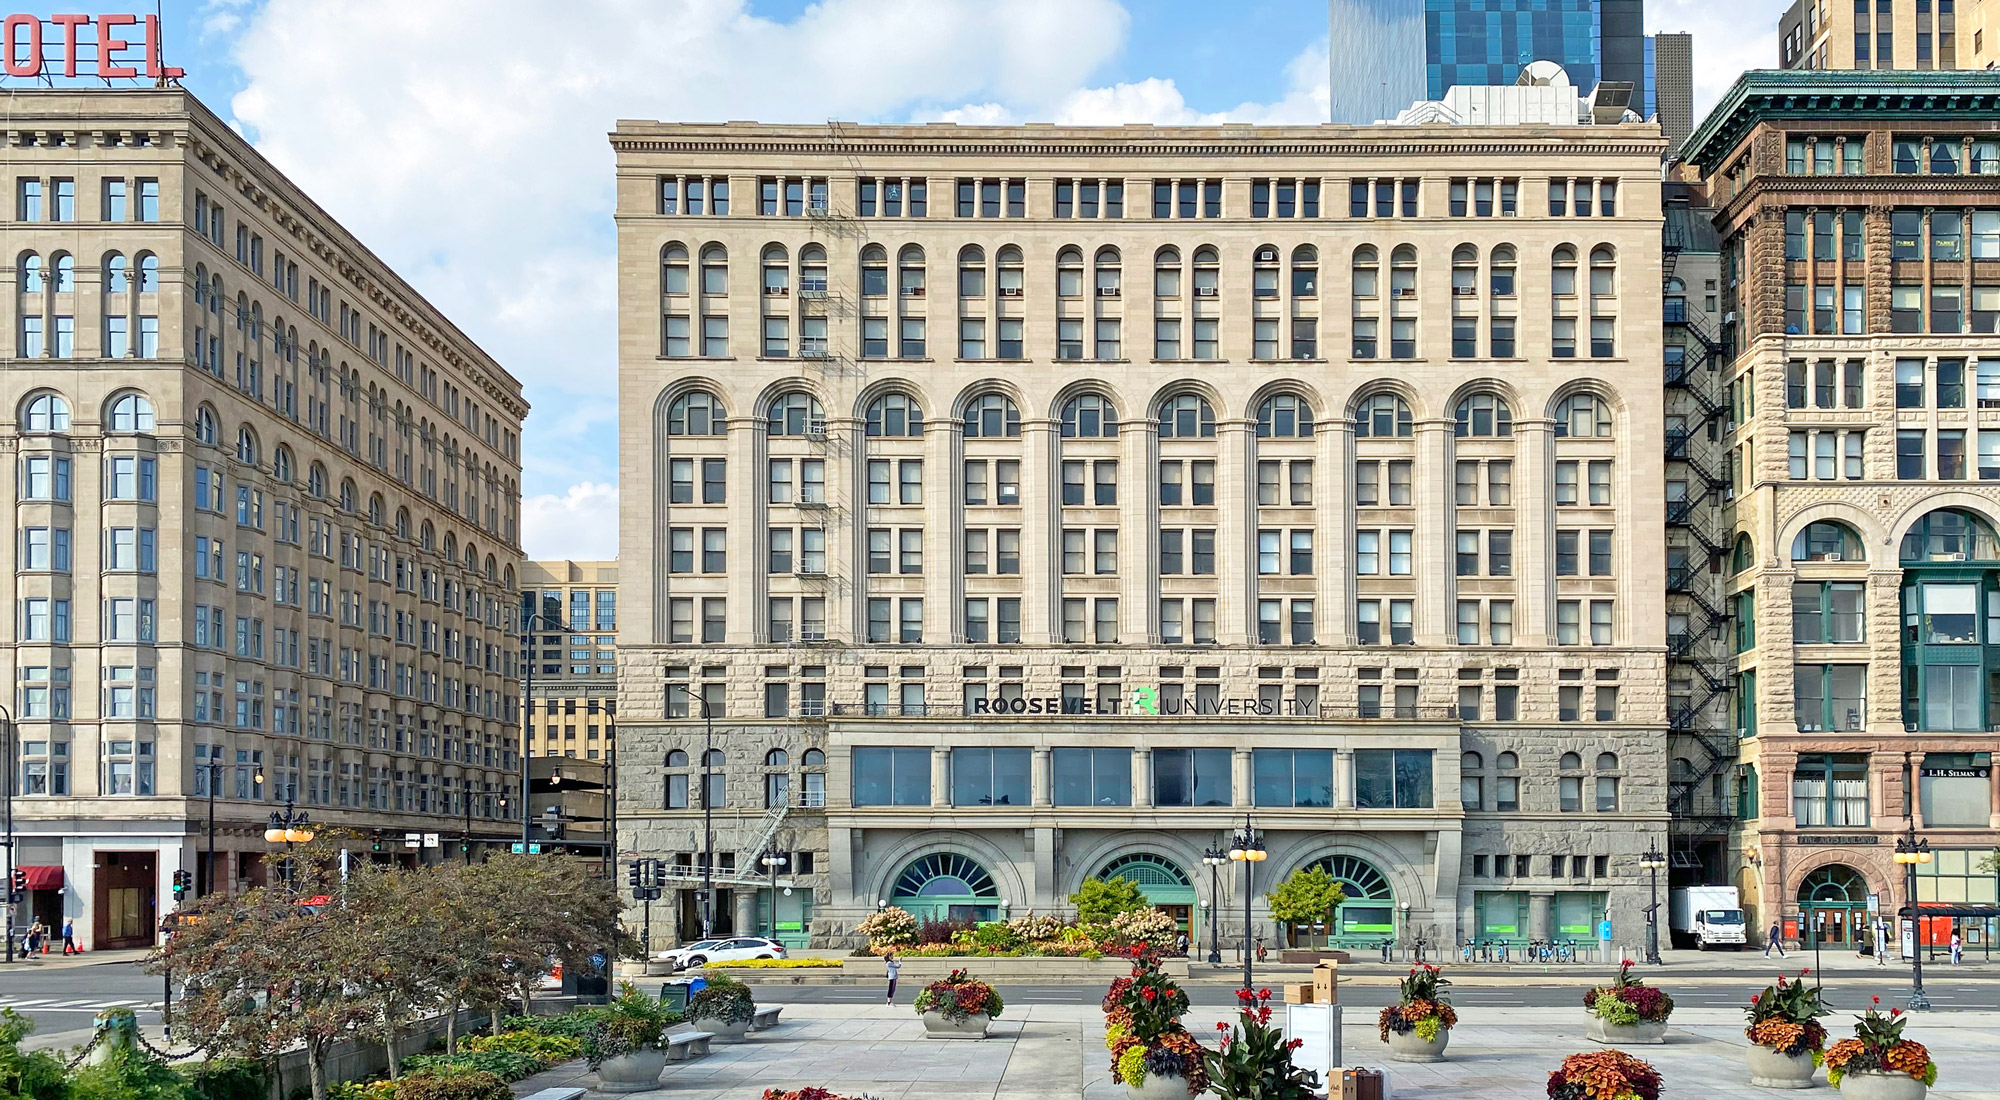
(44,877)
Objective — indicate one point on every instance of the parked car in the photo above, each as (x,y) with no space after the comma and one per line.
(703,952)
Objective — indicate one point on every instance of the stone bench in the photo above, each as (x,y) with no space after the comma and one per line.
(555,1094)
(688,1044)
(766,1017)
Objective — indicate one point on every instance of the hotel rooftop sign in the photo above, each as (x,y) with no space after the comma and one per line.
(112,46)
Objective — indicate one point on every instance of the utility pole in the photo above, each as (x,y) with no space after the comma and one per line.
(7,821)
(707,817)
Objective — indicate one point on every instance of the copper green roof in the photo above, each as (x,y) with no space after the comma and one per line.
(1961,97)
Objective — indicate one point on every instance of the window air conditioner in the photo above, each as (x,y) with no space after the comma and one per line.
(1267,255)
(1216,291)
(1107,292)
(1954,557)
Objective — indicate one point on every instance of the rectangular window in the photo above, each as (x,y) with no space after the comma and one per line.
(1292,777)
(1192,777)
(1392,779)
(892,776)
(1091,777)
(1830,791)
(989,777)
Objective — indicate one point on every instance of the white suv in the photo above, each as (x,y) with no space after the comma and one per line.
(703,952)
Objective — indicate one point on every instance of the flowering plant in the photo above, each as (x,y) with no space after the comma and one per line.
(958,996)
(1878,1044)
(1785,1017)
(810,1092)
(1421,1006)
(1144,928)
(1255,1059)
(892,927)
(1628,1000)
(1143,1031)
(1604,1075)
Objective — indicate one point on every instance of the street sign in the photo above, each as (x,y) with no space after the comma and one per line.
(412,840)
(1874,904)
(431,840)
(535,849)
(517,847)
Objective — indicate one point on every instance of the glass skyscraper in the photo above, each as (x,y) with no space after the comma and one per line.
(1376,68)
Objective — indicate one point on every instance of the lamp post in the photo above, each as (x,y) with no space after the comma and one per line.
(1405,908)
(7,821)
(207,883)
(1246,847)
(288,827)
(1216,859)
(772,861)
(707,815)
(1652,861)
(1911,851)
(531,621)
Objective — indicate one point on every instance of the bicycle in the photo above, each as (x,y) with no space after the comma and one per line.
(1386,944)
(1503,951)
(1465,952)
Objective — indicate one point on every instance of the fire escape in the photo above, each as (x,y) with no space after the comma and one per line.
(1699,640)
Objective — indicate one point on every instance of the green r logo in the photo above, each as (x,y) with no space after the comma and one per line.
(1145,700)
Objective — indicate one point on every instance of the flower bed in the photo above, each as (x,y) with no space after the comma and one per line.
(1421,1006)
(959,997)
(1604,1075)
(774,964)
(1628,1001)
(1143,1031)
(724,1000)
(1878,1044)
(1029,936)
(1785,1018)
(810,1092)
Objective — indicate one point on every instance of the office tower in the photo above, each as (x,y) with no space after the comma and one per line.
(1673,86)
(1376,58)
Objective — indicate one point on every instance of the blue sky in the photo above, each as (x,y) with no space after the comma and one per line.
(463,140)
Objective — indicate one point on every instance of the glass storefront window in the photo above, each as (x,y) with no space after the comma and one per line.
(1191,777)
(1293,777)
(1092,777)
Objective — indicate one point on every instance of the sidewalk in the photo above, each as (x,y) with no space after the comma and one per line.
(56,960)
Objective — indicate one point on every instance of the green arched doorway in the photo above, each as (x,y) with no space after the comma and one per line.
(946,886)
(1165,885)
(1833,907)
(1366,918)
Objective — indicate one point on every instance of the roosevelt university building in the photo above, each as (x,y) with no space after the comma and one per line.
(1010,506)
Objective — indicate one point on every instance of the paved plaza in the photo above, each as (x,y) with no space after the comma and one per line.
(1040,1052)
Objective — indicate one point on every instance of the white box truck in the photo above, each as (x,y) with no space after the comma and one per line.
(1705,917)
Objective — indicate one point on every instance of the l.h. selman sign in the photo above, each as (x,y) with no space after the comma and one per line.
(81,45)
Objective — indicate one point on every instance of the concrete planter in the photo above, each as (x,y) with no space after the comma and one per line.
(1408,1047)
(936,1026)
(1159,1086)
(1771,1070)
(1875,1084)
(723,1032)
(1643,1033)
(635,1071)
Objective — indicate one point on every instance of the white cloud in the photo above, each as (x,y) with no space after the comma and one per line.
(580,524)
(1159,101)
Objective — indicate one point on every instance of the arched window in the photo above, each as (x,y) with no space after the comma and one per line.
(347,503)
(677,758)
(1562,281)
(1207,273)
(316,481)
(1089,416)
(712,758)
(1508,761)
(1167,273)
(402,523)
(1305,272)
(714,270)
(992,416)
(1570,762)
(1501,276)
(149,273)
(777,758)
(696,412)
(1470,762)
(1186,416)
(895,415)
(1365,280)
(1108,281)
(1603,271)
(246,446)
(971,272)
(1607,761)
(131,412)
(1284,416)
(1403,272)
(874,272)
(1069,273)
(1382,416)
(115,278)
(674,269)
(1264,271)
(1483,415)
(427,536)
(910,271)
(45,412)
(1827,541)
(1464,272)
(796,414)
(812,758)
(1950,535)
(1583,416)
(377,514)
(812,271)
(1744,555)
(31,273)
(66,273)
(281,464)
(204,425)
(777,272)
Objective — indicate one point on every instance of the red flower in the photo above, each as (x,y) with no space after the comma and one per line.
(1805,972)
(1221,1027)
(1876,1000)
(1148,992)
(1755,997)
(1895,1012)
(1263,994)
(1244,995)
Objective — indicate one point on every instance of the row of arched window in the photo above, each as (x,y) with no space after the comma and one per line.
(1179,416)
(1943,535)
(58,273)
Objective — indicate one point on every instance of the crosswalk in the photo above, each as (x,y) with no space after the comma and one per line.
(58,1004)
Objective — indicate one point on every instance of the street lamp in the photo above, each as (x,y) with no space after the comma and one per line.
(1216,859)
(1406,928)
(7,821)
(1652,861)
(707,814)
(288,827)
(1247,848)
(772,861)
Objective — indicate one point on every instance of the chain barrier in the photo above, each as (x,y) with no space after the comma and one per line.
(87,1048)
(163,1055)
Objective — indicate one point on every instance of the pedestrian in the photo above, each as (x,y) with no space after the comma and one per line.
(1775,938)
(1881,943)
(1181,943)
(894,967)
(37,933)
(1957,949)
(69,937)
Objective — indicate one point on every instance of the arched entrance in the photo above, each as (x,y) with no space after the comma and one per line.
(1366,918)
(946,886)
(1833,907)
(1165,885)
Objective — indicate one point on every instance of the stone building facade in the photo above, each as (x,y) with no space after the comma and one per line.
(572,709)
(1860,260)
(1019,505)
(265,497)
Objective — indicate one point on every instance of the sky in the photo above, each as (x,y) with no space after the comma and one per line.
(464,140)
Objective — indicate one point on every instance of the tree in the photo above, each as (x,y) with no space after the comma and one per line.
(546,910)
(1306,897)
(401,923)
(27,1075)
(1098,900)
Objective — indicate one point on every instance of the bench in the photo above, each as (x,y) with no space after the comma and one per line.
(766,1017)
(688,1044)
(555,1094)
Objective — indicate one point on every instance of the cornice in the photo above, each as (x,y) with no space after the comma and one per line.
(1582,143)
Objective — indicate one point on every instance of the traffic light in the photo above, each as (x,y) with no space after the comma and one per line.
(375,841)
(18,888)
(633,876)
(183,882)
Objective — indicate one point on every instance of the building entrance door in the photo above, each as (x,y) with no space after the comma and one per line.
(125,899)
(1833,907)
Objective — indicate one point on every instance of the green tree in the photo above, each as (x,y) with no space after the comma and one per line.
(546,910)
(25,1075)
(1307,896)
(1098,900)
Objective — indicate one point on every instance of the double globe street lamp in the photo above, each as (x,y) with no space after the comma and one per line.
(1652,861)
(1247,848)
(1911,851)
(288,827)
(1215,859)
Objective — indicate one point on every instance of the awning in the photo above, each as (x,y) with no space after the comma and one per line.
(44,877)
(1932,909)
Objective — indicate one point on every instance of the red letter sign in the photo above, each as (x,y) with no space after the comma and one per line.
(108,45)
(16,65)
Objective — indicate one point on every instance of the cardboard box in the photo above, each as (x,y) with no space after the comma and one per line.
(1325,989)
(1298,993)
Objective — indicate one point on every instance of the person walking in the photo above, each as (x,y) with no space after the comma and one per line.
(1181,943)
(1775,938)
(69,937)
(894,967)
(1881,943)
(1957,949)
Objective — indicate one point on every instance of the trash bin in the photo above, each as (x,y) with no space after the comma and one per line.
(676,992)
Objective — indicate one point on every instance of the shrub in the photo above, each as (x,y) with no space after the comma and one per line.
(550,1050)
(1785,1017)
(997,937)
(941,931)
(958,997)
(1144,928)
(632,1021)
(1422,1006)
(1099,900)
(892,927)
(362,1090)
(464,1085)
(1143,1031)
(725,1000)
(229,1079)
(1035,928)
(129,1075)
(1878,1044)
(572,1024)
(1254,1061)
(778,964)
(29,1075)
(1628,1000)
(507,1065)
(1604,1075)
